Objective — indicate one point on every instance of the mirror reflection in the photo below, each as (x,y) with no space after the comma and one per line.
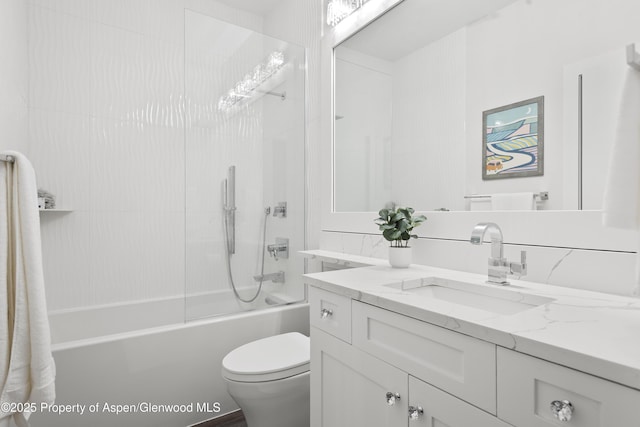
(411,88)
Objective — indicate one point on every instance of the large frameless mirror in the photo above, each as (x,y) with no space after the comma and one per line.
(410,90)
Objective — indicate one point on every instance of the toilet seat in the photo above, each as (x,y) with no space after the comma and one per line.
(268,359)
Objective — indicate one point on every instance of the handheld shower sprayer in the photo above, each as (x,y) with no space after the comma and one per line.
(230,207)
(229,223)
(229,192)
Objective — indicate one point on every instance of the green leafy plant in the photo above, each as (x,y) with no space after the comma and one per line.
(396,225)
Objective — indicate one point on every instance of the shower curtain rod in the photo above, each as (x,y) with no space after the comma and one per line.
(7,158)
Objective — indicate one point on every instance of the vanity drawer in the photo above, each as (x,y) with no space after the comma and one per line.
(331,313)
(527,386)
(456,363)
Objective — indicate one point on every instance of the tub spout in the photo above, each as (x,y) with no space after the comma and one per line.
(277,277)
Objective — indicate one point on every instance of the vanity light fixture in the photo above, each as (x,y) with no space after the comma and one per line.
(337,10)
(247,87)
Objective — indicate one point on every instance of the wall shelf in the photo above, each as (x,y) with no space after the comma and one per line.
(56,210)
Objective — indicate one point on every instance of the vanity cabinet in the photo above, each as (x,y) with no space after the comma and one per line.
(374,367)
(458,364)
(352,388)
(385,371)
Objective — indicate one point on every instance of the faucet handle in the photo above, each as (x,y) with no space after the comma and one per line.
(519,268)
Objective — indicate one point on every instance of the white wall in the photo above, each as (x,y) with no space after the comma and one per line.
(565,248)
(282,179)
(397,117)
(297,22)
(428,141)
(14,84)
(363,158)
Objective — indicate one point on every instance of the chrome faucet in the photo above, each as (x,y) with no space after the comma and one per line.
(279,250)
(499,266)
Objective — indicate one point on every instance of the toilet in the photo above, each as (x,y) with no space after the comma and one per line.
(269,380)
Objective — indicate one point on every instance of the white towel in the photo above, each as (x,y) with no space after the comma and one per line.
(513,202)
(621,201)
(480,204)
(27,369)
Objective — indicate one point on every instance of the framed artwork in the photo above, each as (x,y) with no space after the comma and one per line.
(513,140)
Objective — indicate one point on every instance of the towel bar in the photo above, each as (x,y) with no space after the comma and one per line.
(7,158)
(543,195)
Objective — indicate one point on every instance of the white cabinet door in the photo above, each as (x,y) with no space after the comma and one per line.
(440,409)
(349,387)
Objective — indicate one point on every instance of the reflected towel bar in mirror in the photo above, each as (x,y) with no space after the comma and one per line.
(543,195)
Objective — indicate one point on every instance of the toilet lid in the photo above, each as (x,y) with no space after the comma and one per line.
(268,359)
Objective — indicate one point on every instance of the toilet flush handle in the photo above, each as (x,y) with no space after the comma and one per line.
(325,313)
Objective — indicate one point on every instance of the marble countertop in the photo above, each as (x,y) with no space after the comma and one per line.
(592,332)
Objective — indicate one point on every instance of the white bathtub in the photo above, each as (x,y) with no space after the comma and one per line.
(103,320)
(174,367)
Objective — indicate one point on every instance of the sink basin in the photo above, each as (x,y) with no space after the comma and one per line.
(494,300)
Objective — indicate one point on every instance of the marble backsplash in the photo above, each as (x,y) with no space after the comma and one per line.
(595,270)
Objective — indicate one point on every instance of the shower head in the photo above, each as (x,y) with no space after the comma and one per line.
(230,189)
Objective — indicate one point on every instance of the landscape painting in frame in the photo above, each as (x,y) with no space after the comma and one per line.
(513,140)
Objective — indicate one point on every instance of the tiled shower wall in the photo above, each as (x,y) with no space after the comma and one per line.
(106,135)
(95,101)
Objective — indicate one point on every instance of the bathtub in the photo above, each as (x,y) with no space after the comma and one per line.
(68,326)
(158,376)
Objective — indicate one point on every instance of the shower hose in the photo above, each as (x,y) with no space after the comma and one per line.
(228,255)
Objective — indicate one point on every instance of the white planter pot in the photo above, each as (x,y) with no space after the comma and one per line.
(400,257)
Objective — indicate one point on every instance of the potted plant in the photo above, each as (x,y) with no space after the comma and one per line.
(396,225)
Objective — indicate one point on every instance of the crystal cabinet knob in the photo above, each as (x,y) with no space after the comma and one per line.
(415,412)
(392,397)
(325,312)
(562,410)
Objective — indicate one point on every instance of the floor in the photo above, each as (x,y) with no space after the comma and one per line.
(234,419)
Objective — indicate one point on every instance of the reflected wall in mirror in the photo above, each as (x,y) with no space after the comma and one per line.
(410,89)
